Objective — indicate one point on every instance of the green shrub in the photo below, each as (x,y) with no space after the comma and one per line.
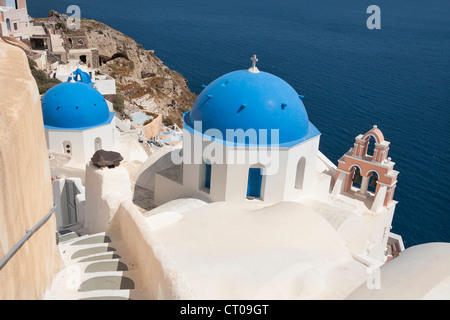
(119,104)
(43,82)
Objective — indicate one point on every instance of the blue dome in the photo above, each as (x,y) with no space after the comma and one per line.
(80,76)
(74,106)
(246,100)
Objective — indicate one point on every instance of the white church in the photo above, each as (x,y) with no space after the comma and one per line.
(77,119)
(248,206)
(250,180)
(247,136)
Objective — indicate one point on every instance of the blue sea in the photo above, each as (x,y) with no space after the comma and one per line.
(397,77)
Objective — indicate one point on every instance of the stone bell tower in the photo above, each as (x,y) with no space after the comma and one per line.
(357,165)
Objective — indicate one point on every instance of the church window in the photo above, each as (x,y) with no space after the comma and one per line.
(67,147)
(300,175)
(254,183)
(205,176)
(98,144)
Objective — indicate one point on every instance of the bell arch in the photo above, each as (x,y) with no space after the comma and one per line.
(374,174)
(373,177)
(356,175)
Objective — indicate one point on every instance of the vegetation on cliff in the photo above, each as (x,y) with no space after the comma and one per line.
(44,83)
(142,79)
(143,82)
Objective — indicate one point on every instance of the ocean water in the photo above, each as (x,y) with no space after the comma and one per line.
(397,77)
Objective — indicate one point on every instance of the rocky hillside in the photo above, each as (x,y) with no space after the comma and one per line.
(142,78)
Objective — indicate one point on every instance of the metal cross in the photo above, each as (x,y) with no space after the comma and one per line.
(254,69)
(254,60)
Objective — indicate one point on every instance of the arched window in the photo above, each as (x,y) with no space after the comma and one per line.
(356,177)
(98,144)
(370,147)
(8,24)
(300,175)
(373,182)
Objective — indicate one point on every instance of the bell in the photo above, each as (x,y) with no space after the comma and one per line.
(373,182)
(357,177)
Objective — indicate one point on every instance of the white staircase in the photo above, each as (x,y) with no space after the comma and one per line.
(96,267)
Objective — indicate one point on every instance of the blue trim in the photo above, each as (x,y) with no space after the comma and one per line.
(245,101)
(74,105)
(108,121)
(312,133)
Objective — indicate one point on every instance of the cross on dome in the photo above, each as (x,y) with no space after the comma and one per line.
(254,69)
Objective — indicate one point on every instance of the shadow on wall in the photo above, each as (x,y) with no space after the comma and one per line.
(158,163)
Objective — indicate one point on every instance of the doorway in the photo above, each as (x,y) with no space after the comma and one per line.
(254,183)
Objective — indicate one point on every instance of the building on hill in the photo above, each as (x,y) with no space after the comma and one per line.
(77,119)
(14,20)
(283,222)
(248,140)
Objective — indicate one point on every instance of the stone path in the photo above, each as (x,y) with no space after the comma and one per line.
(96,267)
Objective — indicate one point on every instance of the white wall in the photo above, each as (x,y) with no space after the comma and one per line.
(105,190)
(105,86)
(229,177)
(19,16)
(83,141)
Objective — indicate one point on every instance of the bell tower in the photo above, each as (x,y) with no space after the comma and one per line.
(358,170)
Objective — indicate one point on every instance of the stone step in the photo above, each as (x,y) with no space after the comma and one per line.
(111,280)
(107,283)
(105,298)
(102,238)
(103,266)
(83,236)
(101,257)
(95,270)
(92,250)
(125,294)
(66,235)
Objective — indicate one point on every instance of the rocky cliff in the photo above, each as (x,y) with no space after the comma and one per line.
(142,78)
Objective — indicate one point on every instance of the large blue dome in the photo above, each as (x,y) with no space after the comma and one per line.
(74,106)
(246,100)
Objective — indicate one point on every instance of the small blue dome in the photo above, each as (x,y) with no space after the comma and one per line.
(74,106)
(80,76)
(246,100)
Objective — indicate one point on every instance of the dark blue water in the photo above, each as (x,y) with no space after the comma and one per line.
(397,77)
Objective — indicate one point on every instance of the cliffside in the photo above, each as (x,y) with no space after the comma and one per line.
(142,78)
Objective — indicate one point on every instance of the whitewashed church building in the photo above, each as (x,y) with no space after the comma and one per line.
(77,120)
